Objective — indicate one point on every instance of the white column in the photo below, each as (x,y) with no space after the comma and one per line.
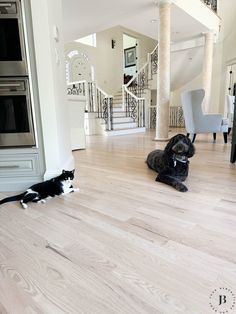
(163,73)
(207,69)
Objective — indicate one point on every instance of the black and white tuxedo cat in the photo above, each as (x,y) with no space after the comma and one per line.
(40,191)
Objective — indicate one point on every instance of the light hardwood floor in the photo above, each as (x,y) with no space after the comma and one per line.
(124,243)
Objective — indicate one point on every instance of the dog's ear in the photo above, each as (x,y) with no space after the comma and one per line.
(171,143)
(191,150)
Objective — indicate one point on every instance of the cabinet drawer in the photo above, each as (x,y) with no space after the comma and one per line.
(23,165)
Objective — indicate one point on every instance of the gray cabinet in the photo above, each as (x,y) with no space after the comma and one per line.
(19,165)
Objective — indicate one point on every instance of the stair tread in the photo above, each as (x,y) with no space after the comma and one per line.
(120,117)
(127,129)
(124,122)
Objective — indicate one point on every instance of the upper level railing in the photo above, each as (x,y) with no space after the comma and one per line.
(211,4)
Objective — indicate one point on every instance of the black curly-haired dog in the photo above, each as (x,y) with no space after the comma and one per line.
(172,163)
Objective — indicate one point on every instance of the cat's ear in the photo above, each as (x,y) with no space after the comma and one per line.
(73,171)
(63,171)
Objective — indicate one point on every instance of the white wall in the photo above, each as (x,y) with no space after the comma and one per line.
(108,62)
(51,84)
(224,54)
(228,39)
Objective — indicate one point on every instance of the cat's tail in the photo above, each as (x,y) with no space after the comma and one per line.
(12,198)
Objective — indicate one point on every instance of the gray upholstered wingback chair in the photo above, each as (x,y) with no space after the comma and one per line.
(198,122)
(230,100)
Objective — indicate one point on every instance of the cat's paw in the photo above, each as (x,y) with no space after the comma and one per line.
(24,205)
(43,201)
(74,190)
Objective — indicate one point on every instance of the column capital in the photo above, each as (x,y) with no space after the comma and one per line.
(163,2)
(210,34)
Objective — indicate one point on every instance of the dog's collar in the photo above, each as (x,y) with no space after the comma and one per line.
(179,158)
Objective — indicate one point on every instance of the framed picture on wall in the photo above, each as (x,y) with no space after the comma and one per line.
(130,56)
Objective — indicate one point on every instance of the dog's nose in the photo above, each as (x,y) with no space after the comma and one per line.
(180,148)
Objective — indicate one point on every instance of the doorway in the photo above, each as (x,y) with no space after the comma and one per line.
(130,58)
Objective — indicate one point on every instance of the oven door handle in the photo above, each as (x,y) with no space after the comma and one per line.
(10,85)
(5,5)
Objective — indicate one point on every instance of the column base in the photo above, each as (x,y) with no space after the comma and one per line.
(165,139)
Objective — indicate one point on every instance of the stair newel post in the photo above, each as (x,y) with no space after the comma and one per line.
(94,96)
(86,96)
(139,85)
(123,97)
(126,103)
(108,100)
(149,71)
(90,96)
(111,112)
(99,104)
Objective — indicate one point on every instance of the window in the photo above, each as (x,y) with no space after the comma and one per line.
(89,40)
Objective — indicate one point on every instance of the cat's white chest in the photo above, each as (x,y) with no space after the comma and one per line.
(66,187)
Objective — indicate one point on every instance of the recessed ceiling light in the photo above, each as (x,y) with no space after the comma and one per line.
(153,21)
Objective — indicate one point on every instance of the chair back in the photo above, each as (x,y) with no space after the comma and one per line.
(192,109)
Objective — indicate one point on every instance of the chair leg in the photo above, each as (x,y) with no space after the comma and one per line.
(229,130)
(188,134)
(194,136)
(225,136)
(233,153)
(214,137)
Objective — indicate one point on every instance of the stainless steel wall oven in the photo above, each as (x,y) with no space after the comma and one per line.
(12,43)
(16,123)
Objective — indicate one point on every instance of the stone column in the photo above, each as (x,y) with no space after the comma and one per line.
(163,73)
(207,69)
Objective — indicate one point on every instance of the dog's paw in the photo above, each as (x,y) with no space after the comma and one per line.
(181,188)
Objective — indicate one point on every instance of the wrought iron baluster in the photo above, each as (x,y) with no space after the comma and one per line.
(212,4)
(154,61)
(107,106)
(76,89)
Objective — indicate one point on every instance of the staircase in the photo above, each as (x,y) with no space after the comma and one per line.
(122,124)
(126,112)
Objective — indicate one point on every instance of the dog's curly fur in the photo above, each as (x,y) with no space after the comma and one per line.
(172,164)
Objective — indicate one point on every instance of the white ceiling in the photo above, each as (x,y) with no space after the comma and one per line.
(83,17)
